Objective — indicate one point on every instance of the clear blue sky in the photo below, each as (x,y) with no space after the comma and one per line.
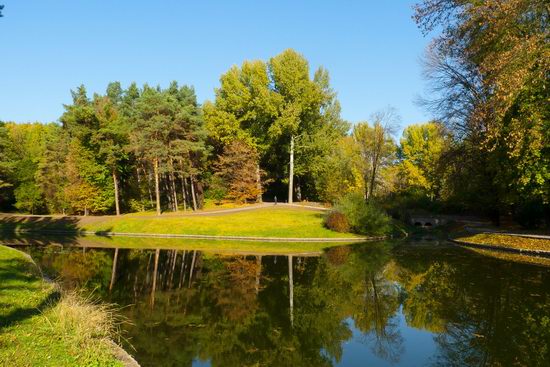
(371,48)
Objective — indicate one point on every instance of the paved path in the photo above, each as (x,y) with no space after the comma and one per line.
(93,218)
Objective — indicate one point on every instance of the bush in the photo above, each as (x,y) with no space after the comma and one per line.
(363,218)
(337,221)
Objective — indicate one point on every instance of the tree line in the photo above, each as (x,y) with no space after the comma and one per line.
(274,130)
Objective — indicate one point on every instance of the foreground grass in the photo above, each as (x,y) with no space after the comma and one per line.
(266,222)
(505,241)
(38,327)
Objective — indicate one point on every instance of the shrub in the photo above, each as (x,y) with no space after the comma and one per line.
(337,221)
(364,218)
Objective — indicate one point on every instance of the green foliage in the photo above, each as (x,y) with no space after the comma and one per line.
(28,197)
(217,189)
(265,104)
(488,70)
(363,217)
(420,151)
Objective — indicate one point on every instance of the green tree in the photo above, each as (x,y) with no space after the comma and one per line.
(420,150)
(111,135)
(167,131)
(489,71)
(376,147)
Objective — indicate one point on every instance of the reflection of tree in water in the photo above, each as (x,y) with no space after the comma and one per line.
(376,302)
(486,312)
(235,310)
(377,322)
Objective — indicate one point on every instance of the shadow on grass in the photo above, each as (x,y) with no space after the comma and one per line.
(40,230)
(19,284)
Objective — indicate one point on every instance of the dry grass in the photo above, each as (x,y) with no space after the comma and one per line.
(42,327)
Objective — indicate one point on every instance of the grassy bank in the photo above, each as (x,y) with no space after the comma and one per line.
(265,222)
(506,241)
(40,327)
(209,246)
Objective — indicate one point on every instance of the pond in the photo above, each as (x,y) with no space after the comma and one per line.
(375,304)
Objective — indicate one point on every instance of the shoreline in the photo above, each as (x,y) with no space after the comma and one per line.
(524,245)
(42,306)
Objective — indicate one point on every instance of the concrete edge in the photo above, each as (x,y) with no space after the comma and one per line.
(123,356)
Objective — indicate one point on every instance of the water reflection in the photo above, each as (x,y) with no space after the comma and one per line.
(372,304)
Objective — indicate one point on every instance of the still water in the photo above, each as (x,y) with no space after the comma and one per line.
(374,304)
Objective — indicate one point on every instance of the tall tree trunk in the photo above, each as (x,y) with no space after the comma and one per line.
(157,188)
(168,190)
(193,192)
(372,179)
(148,174)
(113,271)
(173,185)
(291,290)
(258,183)
(184,197)
(291,171)
(139,185)
(115,181)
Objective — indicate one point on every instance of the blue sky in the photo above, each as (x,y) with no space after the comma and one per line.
(47,47)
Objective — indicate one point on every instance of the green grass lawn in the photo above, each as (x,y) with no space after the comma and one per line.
(265,222)
(38,327)
(269,222)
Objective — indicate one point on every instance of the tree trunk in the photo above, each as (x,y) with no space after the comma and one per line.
(115,181)
(258,183)
(184,198)
(291,171)
(193,193)
(148,173)
(157,188)
(173,185)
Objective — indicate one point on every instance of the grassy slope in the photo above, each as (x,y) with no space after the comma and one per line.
(39,329)
(267,222)
(515,242)
(259,223)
